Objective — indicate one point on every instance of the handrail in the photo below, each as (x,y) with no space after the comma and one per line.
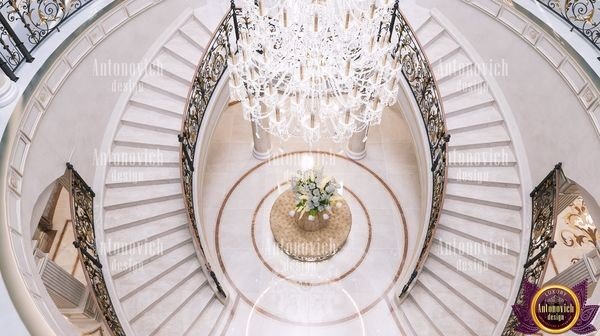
(211,68)
(419,75)
(544,200)
(82,213)
(580,15)
(415,69)
(25,24)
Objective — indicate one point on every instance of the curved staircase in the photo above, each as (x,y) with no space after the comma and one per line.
(155,271)
(467,281)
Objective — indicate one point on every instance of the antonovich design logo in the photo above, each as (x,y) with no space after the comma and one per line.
(555,309)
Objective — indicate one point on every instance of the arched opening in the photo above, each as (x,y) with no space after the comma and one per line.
(576,255)
(59,263)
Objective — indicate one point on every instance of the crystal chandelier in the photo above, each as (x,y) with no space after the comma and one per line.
(314,68)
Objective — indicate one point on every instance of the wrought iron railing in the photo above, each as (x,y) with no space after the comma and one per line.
(581,15)
(82,212)
(544,200)
(210,70)
(420,78)
(24,24)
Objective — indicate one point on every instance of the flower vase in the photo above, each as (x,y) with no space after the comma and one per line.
(311,223)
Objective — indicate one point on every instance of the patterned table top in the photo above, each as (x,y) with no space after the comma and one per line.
(309,245)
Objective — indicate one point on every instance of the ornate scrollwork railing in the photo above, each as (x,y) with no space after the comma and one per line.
(210,70)
(24,24)
(581,15)
(82,212)
(544,200)
(420,78)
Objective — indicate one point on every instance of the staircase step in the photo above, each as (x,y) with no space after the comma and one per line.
(484,254)
(127,156)
(462,286)
(167,62)
(478,138)
(136,235)
(474,320)
(131,176)
(492,156)
(152,119)
(211,14)
(155,318)
(166,84)
(154,99)
(141,214)
(146,157)
(136,195)
(452,66)
(417,16)
(437,314)
(189,314)
(150,296)
(150,138)
(495,284)
(206,322)
(496,176)
(134,282)
(138,256)
(196,32)
(417,319)
(507,240)
(467,102)
(443,47)
(487,115)
(464,82)
(181,45)
(506,219)
(428,32)
(508,198)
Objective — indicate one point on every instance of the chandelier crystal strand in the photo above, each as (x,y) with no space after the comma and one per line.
(314,68)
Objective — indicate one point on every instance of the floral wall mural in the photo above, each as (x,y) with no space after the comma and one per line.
(577,229)
(575,236)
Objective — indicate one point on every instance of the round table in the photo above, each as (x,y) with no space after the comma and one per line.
(305,245)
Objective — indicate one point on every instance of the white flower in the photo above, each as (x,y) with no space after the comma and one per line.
(313,191)
(325,216)
(311,218)
(292,213)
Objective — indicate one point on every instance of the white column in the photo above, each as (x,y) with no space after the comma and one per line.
(262,141)
(8,90)
(357,145)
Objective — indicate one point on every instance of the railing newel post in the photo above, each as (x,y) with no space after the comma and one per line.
(17,41)
(544,201)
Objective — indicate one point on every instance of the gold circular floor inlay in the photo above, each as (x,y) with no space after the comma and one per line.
(248,300)
(304,282)
(305,245)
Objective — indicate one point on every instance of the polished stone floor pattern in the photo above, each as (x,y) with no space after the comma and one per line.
(274,294)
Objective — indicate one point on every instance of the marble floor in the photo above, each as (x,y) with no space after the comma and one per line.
(351,293)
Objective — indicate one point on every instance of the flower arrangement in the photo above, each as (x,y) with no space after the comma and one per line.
(314,193)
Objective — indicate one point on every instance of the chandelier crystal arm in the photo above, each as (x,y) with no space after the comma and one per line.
(312,68)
